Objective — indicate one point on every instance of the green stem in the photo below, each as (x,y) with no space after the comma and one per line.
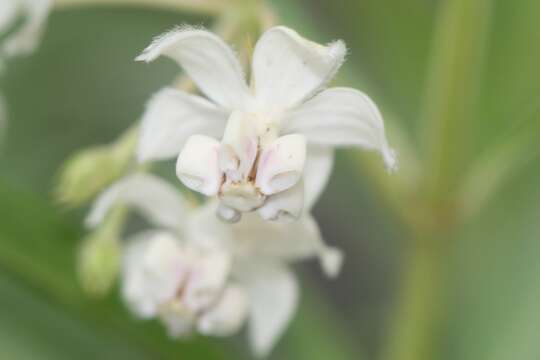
(414,333)
(458,50)
(452,90)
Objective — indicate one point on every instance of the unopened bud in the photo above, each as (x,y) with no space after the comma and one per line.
(89,171)
(99,260)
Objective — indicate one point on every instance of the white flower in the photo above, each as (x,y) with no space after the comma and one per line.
(267,147)
(196,273)
(185,286)
(26,38)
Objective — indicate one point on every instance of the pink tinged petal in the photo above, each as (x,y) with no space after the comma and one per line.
(286,206)
(209,61)
(273,298)
(171,117)
(319,163)
(153,270)
(208,274)
(197,166)
(287,68)
(227,316)
(281,164)
(239,146)
(26,39)
(341,117)
(153,197)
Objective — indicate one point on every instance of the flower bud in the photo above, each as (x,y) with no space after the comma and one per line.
(99,262)
(281,164)
(90,171)
(197,166)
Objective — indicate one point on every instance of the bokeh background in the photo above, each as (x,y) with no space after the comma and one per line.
(441,257)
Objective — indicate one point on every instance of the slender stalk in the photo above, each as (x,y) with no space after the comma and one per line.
(414,335)
(206,7)
(452,91)
(458,49)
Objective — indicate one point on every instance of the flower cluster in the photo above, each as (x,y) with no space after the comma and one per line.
(262,154)
(196,274)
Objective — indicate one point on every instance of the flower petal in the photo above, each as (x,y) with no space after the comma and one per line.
(286,206)
(210,63)
(256,237)
(26,39)
(171,117)
(153,197)
(153,269)
(319,163)
(227,316)
(341,117)
(281,164)
(238,146)
(208,274)
(288,68)
(197,166)
(273,297)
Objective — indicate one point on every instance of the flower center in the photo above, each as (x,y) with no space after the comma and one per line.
(246,136)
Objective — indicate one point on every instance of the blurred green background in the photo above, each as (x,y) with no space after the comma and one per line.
(441,257)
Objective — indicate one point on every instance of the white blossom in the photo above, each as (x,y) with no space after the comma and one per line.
(196,273)
(25,38)
(185,286)
(249,145)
